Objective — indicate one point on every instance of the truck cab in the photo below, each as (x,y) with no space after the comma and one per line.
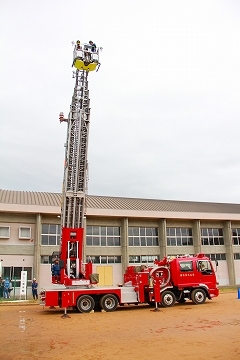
(194,272)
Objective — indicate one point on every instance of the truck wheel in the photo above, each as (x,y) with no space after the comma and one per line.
(85,304)
(198,296)
(168,298)
(109,302)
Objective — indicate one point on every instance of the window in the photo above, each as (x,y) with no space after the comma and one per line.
(186,265)
(4,232)
(24,233)
(50,234)
(204,266)
(179,236)
(142,236)
(46,259)
(236,236)
(103,236)
(236,256)
(212,236)
(214,257)
(14,273)
(142,259)
(104,259)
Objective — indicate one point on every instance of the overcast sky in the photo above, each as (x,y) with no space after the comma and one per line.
(165,104)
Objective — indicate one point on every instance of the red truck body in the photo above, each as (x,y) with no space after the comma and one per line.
(167,281)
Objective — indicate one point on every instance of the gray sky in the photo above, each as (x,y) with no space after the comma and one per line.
(165,104)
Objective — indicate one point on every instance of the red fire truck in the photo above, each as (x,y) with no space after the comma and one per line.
(75,284)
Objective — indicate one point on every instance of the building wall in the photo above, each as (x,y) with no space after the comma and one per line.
(15,252)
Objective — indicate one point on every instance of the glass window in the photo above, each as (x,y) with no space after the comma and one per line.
(14,273)
(5,232)
(134,259)
(236,236)
(50,234)
(103,230)
(104,259)
(88,241)
(143,236)
(214,257)
(130,241)
(136,241)
(186,266)
(103,236)
(46,259)
(95,241)
(110,241)
(110,231)
(179,236)
(103,241)
(143,259)
(24,233)
(110,259)
(212,236)
(95,230)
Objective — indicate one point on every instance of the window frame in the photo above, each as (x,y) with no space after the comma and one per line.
(142,259)
(3,236)
(51,235)
(24,237)
(179,236)
(143,236)
(212,237)
(105,259)
(104,236)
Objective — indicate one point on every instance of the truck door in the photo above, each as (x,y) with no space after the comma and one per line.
(206,273)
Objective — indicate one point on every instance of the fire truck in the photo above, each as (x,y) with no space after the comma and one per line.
(75,285)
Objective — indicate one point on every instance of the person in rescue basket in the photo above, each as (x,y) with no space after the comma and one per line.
(34,289)
(93,46)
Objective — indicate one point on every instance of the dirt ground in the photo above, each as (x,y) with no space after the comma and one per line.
(186,331)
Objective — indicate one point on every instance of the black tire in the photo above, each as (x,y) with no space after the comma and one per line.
(109,302)
(198,296)
(168,298)
(85,304)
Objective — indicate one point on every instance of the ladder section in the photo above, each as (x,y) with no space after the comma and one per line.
(75,170)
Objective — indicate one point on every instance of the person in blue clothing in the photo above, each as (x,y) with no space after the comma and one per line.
(34,289)
(6,287)
(56,268)
(93,46)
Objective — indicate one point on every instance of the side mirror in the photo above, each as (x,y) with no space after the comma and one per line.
(216,262)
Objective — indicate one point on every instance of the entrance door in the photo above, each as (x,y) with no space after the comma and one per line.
(105,275)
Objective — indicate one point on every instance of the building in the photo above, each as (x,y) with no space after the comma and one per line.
(119,232)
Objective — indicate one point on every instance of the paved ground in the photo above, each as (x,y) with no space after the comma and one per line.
(209,331)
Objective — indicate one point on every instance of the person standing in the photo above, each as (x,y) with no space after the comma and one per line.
(93,46)
(55,271)
(6,287)
(1,287)
(34,289)
(10,288)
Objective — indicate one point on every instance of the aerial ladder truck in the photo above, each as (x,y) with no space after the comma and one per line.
(75,283)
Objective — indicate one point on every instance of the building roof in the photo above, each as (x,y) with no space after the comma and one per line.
(29,198)
(116,206)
